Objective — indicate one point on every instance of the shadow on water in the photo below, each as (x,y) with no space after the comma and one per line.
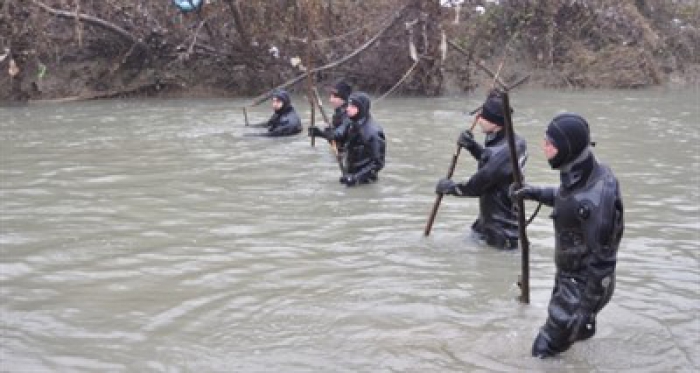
(157,236)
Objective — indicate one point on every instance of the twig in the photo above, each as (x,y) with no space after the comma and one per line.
(90,20)
(406,75)
(478,63)
(194,39)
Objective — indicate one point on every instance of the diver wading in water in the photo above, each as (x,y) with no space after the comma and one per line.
(284,120)
(363,139)
(588,227)
(497,222)
(339,95)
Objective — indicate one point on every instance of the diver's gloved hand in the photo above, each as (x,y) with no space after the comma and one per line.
(317,132)
(526,191)
(348,180)
(446,186)
(466,140)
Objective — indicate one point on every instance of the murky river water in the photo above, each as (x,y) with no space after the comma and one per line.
(153,235)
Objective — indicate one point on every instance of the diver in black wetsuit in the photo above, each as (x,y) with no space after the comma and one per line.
(588,227)
(284,121)
(497,222)
(365,143)
(339,99)
(339,95)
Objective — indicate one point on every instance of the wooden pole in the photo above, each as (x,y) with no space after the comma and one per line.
(309,67)
(333,144)
(450,172)
(522,225)
(313,118)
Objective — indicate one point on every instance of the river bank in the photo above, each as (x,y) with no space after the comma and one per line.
(53,52)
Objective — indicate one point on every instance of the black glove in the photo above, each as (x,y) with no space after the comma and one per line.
(316,132)
(446,186)
(466,140)
(348,180)
(526,191)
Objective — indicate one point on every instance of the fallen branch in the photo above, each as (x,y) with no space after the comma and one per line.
(133,89)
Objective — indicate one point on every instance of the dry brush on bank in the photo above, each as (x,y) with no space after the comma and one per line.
(107,48)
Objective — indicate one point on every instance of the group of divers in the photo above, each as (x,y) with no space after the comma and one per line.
(587,205)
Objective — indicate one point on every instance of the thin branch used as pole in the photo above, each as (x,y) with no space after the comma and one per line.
(332,143)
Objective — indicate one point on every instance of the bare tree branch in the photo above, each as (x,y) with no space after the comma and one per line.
(90,20)
(478,63)
(238,22)
(406,75)
(260,99)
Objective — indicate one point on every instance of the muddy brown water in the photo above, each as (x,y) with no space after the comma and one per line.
(154,235)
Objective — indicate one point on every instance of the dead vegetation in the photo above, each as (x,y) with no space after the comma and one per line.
(85,49)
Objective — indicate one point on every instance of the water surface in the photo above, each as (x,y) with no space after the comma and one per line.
(154,235)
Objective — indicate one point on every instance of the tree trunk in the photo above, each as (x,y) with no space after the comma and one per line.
(20,46)
(429,36)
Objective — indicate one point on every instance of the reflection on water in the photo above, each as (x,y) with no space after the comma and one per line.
(156,236)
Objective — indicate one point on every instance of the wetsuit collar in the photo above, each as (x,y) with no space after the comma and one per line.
(284,109)
(578,170)
(495,137)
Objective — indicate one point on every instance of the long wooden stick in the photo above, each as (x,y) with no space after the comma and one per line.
(313,118)
(522,225)
(309,66)
(334,145)
(310,94)
(450,172)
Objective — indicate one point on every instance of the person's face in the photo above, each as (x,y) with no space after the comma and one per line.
(352,111)
(487,127)
(336,101)
(550,151)
(277,103)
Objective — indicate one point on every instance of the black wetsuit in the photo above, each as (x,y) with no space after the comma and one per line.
(339,124)
(285,121)
(340,116)
(364,143)
(497,222)
(588,225)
